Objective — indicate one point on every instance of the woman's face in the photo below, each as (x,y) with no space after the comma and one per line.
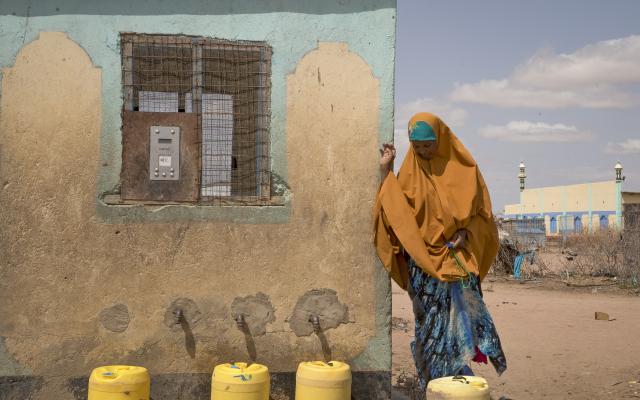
(425,148)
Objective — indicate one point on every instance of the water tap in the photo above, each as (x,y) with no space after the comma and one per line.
(241,322)
(315,321)
(179,314)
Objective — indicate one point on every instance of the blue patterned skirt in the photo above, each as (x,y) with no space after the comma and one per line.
(452,326)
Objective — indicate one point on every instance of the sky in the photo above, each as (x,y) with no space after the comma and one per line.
(555,84)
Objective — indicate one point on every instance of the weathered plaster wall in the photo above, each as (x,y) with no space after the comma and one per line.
(630,198)
(83,284)
(370,34)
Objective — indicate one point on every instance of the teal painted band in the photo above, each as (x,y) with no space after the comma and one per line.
(421,131)
(619,203)
(590,193)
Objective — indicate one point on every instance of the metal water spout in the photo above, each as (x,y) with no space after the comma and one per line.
(179,314)
(189,338)
(315,322)
(241,323)
(317,328)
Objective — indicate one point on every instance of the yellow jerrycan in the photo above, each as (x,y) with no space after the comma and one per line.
(240,381)
(318,380)
(458,388)
(119,382)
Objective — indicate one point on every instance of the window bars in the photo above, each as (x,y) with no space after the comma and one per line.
(227,85)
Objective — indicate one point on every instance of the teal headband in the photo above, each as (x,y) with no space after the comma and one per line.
(421,131)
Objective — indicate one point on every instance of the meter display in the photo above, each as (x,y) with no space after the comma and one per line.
(164,153)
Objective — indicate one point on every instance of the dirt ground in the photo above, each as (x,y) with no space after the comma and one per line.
(555,347)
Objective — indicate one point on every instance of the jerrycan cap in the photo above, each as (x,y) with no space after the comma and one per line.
(118,378)
(241,372)
(460,386)
(332,371)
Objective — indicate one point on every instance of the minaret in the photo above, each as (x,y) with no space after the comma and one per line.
(522,176)
(618,168)
(619,179)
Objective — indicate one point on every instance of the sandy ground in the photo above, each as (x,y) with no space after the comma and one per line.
(554,346)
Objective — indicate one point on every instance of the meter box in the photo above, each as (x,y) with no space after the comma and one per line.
(164,153)
(160,157)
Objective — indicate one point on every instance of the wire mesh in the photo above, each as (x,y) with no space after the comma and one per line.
(226,83)
(570,224)
(631,242)
(631,218)
(526,233)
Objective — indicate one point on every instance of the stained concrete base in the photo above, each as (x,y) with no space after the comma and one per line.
(369,385)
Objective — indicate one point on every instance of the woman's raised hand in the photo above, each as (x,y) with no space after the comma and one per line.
(387,155)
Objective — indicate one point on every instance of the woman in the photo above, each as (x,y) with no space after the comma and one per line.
(435,234)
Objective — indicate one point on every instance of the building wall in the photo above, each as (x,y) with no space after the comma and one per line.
(630,198)
(588,202)
(84,284)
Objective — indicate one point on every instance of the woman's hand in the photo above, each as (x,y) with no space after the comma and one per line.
(459,238)
(387,155)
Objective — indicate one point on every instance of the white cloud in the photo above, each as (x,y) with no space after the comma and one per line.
(526,131)
(590,77)
(505,93)
(629,146)
(603,63)
(453,116)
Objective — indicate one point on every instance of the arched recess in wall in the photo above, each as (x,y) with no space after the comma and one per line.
(604,222)
(332,126)
(553,225)
(51,110)
(332,107)
(51,114)
(577,224)
(50,130)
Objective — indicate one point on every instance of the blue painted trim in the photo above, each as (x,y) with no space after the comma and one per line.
(555,214)
(603,222)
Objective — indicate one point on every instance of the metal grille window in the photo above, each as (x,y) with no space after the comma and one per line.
(226,85)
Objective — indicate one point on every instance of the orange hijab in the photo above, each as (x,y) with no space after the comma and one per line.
(419,211)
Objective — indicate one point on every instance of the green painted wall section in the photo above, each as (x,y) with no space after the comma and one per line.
(378,350)
(590,194)
(8,365)
(619,204)
(37,8)
(370,34)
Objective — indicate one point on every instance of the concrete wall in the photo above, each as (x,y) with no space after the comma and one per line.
(588,201)
(630,198)
(583,197)
(84,284)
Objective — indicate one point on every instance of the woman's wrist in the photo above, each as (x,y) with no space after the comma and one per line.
(384,171)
